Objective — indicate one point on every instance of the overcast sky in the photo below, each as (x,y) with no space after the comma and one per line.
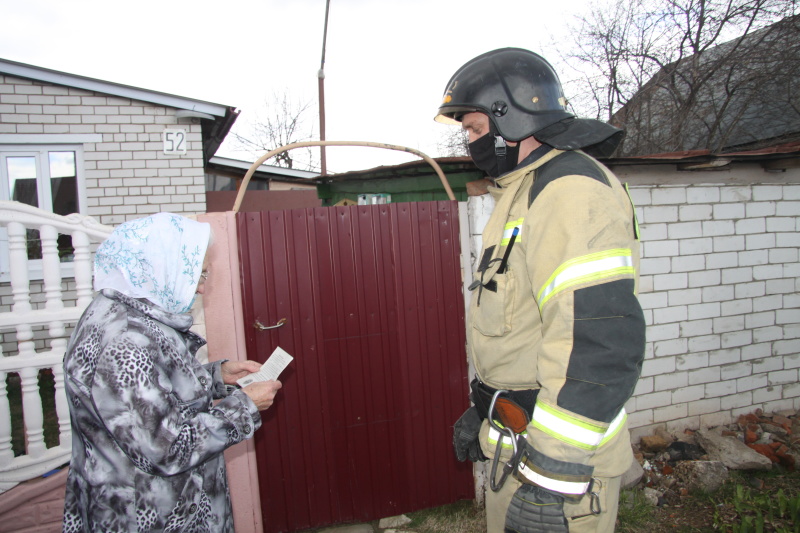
(387,61)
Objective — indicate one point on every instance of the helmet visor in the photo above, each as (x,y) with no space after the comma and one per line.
(452,115)
(448,118)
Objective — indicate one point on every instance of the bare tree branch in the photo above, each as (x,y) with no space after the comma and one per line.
(689,74)
(453,143)
(283,121)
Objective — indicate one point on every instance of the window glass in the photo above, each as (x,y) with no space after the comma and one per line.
(62,164)
(22,187)
(64,192)
(22,179)
(218,182)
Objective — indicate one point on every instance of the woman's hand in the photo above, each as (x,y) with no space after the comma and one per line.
(262,393)
(233,370)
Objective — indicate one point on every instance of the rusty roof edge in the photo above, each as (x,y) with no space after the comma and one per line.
(780,151)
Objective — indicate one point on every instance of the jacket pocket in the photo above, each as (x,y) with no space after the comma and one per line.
(493,305)
(192,510)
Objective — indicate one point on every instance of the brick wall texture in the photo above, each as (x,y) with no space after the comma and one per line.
(719,288)
(127,174)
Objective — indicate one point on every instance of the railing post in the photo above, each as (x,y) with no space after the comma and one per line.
(32,411)
(20,284)
(83,268)
(62,408)
(6,454)
(51,271)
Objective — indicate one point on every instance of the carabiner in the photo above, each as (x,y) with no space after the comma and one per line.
(512,463)
(594,499)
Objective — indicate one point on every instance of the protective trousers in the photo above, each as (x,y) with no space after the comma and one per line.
(497,504)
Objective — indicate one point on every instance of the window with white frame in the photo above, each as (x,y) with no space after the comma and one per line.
(48,177)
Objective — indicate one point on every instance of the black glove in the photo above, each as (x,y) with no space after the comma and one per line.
(536,510)
(465,437)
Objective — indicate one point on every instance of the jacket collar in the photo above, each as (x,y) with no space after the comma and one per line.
(179,321)
(534,160)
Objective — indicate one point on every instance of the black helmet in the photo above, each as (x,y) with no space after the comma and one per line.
(517,89)
(521,94)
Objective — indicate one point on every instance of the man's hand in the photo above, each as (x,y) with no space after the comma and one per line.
(263,393)
(536,510)
(465,437)
(233,370)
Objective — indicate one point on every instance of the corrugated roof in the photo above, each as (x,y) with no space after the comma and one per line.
(447,164)
(264,171)
(778,151)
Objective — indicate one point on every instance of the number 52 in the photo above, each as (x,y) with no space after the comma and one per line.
(174,141)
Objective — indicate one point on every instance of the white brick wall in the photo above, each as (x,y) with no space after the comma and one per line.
(127,175)
(720,293)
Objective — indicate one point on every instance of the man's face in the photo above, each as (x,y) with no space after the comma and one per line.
(476,124)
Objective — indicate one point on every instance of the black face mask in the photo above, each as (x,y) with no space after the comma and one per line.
(487,154)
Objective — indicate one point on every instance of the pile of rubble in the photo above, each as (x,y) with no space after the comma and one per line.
(672,466)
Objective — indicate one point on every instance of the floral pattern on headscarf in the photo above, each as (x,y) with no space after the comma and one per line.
(158,258)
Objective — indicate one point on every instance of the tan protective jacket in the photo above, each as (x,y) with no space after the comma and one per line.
(562,316)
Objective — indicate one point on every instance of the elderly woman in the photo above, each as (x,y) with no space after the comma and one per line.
(147,438)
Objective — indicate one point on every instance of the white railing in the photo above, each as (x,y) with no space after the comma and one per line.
(24,316)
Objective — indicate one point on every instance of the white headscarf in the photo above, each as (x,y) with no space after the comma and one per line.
(159,258)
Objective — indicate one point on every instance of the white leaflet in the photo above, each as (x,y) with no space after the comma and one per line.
(269,370)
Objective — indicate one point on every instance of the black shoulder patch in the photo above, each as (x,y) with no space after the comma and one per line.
(567,164)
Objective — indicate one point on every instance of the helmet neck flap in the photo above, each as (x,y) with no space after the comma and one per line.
(594,137)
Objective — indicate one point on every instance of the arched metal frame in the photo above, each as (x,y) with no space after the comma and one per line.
(273,153)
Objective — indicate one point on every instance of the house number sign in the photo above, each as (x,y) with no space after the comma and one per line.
(174,141)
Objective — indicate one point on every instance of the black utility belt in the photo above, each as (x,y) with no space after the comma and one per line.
(482,395)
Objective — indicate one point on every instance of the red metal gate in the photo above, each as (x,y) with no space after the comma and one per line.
(372,297)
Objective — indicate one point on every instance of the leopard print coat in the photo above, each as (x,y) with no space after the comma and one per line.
(147,440)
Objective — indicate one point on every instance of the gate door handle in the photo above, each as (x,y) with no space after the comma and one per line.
(261,327)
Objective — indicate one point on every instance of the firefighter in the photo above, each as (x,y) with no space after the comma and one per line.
(556,332)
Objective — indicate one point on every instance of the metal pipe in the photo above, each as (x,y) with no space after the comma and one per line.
(273,153)
(321,83)
(322,158)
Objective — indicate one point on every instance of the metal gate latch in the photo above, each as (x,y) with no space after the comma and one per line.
(261,327)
